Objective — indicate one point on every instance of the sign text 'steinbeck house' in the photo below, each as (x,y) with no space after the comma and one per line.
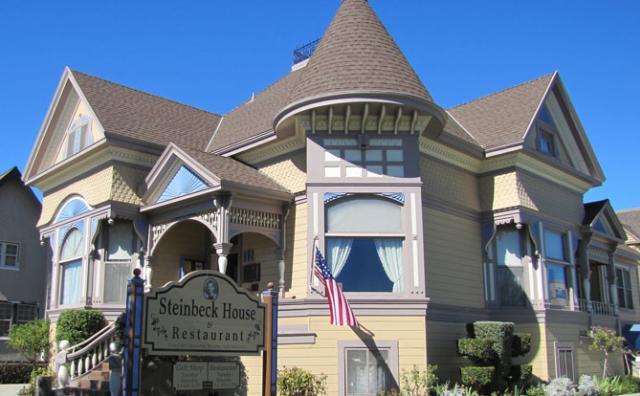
(429,217)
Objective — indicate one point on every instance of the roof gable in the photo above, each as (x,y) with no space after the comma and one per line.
(630,218)
(601,217)
(184,172)
(69,107)
(503,118)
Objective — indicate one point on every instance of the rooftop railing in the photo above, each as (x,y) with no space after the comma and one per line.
(303,53)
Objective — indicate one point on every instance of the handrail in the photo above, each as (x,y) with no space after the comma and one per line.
(79,359)
(86,345)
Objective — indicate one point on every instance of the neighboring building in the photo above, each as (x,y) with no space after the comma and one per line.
(630,219)
(23,264)
(430,218)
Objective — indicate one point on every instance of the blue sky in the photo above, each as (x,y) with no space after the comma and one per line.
(214,54)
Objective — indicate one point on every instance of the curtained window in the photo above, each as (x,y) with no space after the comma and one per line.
(364,244)
(71,267)
(509,268)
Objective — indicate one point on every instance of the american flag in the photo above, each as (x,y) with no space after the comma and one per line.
(341,313)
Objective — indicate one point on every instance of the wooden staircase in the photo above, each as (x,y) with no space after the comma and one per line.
(93,383)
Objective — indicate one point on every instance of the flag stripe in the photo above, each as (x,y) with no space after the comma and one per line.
(339,310)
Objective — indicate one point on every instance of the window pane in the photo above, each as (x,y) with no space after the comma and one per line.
(357,378)
(508,247)
(71,282)
(115,282)
(554,245)
(557,281)
(26,313)
(364,215)
(363,270)
(5,310)
(395,155)
(379,373)
(11,249)
(509,286)
(332,155)
(395,170)
(332,171)
(373,155)
(340,142)
(10,261)
(353,155)
(353,171)
(73,245)
(374,170)
(120,241)
(385,142)
(4,328)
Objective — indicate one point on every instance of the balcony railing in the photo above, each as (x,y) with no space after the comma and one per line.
(597,308)
(304,52)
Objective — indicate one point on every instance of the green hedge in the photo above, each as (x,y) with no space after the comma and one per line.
(521,344)
(477,350)
(17,373)
(477,377)
(76,325)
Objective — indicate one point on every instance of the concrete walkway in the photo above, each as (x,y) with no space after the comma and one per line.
(10,389)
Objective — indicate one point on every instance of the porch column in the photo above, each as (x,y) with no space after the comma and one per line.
(585,269)
(222,250)
(148,272)
(281,267)
(613,281)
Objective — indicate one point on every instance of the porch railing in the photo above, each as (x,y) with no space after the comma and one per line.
(597,308)
(77,360)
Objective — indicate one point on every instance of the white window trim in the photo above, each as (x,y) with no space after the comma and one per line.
(625,286)
(76,126)
(61,263)
(3,247)
(343,346)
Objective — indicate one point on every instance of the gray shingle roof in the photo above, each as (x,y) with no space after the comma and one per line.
(357,53)
(630,219)
(132,114)
(256,116)
(229,169)
(503,117)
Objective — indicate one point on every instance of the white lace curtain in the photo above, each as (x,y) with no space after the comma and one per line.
(390,254)
(339,250)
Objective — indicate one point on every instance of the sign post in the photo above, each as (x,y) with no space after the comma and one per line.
(133,336)
(270,354)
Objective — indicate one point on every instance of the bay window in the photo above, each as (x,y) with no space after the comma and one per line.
(71,266)
(558,267)
(364,243)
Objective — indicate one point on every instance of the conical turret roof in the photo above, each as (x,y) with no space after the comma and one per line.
(357,54)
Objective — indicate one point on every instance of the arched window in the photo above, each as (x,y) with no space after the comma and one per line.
(72,208)
(79,135)
(364,243)
(71,255)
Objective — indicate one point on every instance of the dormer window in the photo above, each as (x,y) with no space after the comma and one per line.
(78,136)
(545,143)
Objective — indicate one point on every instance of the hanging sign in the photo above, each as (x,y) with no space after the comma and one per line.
(188,376)
(203,314)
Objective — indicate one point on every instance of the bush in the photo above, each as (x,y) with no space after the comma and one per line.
(617,386)
(560,387)
(299,382)
(477,377)
(30,339)
(76,325)
(416,382)
(521,344)
(476,349)
(30,390)
(535,390)
(588,386)
(16,373)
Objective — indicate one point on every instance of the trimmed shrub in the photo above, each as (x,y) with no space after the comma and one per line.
(30,339)
(16,373)
(520,374)
(298,382)
(521,344)
(477,377)
(76,325)
(478,350)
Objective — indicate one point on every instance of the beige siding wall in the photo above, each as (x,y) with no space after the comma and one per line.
(449,183)
(322,357)
(586,361)
(127,183)
(289,171)
(453,255)
(94,188)
(297,276)
(189,240)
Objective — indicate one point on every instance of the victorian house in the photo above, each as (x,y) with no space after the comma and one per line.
(429,217)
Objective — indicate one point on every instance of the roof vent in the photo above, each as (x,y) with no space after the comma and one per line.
(303,53)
